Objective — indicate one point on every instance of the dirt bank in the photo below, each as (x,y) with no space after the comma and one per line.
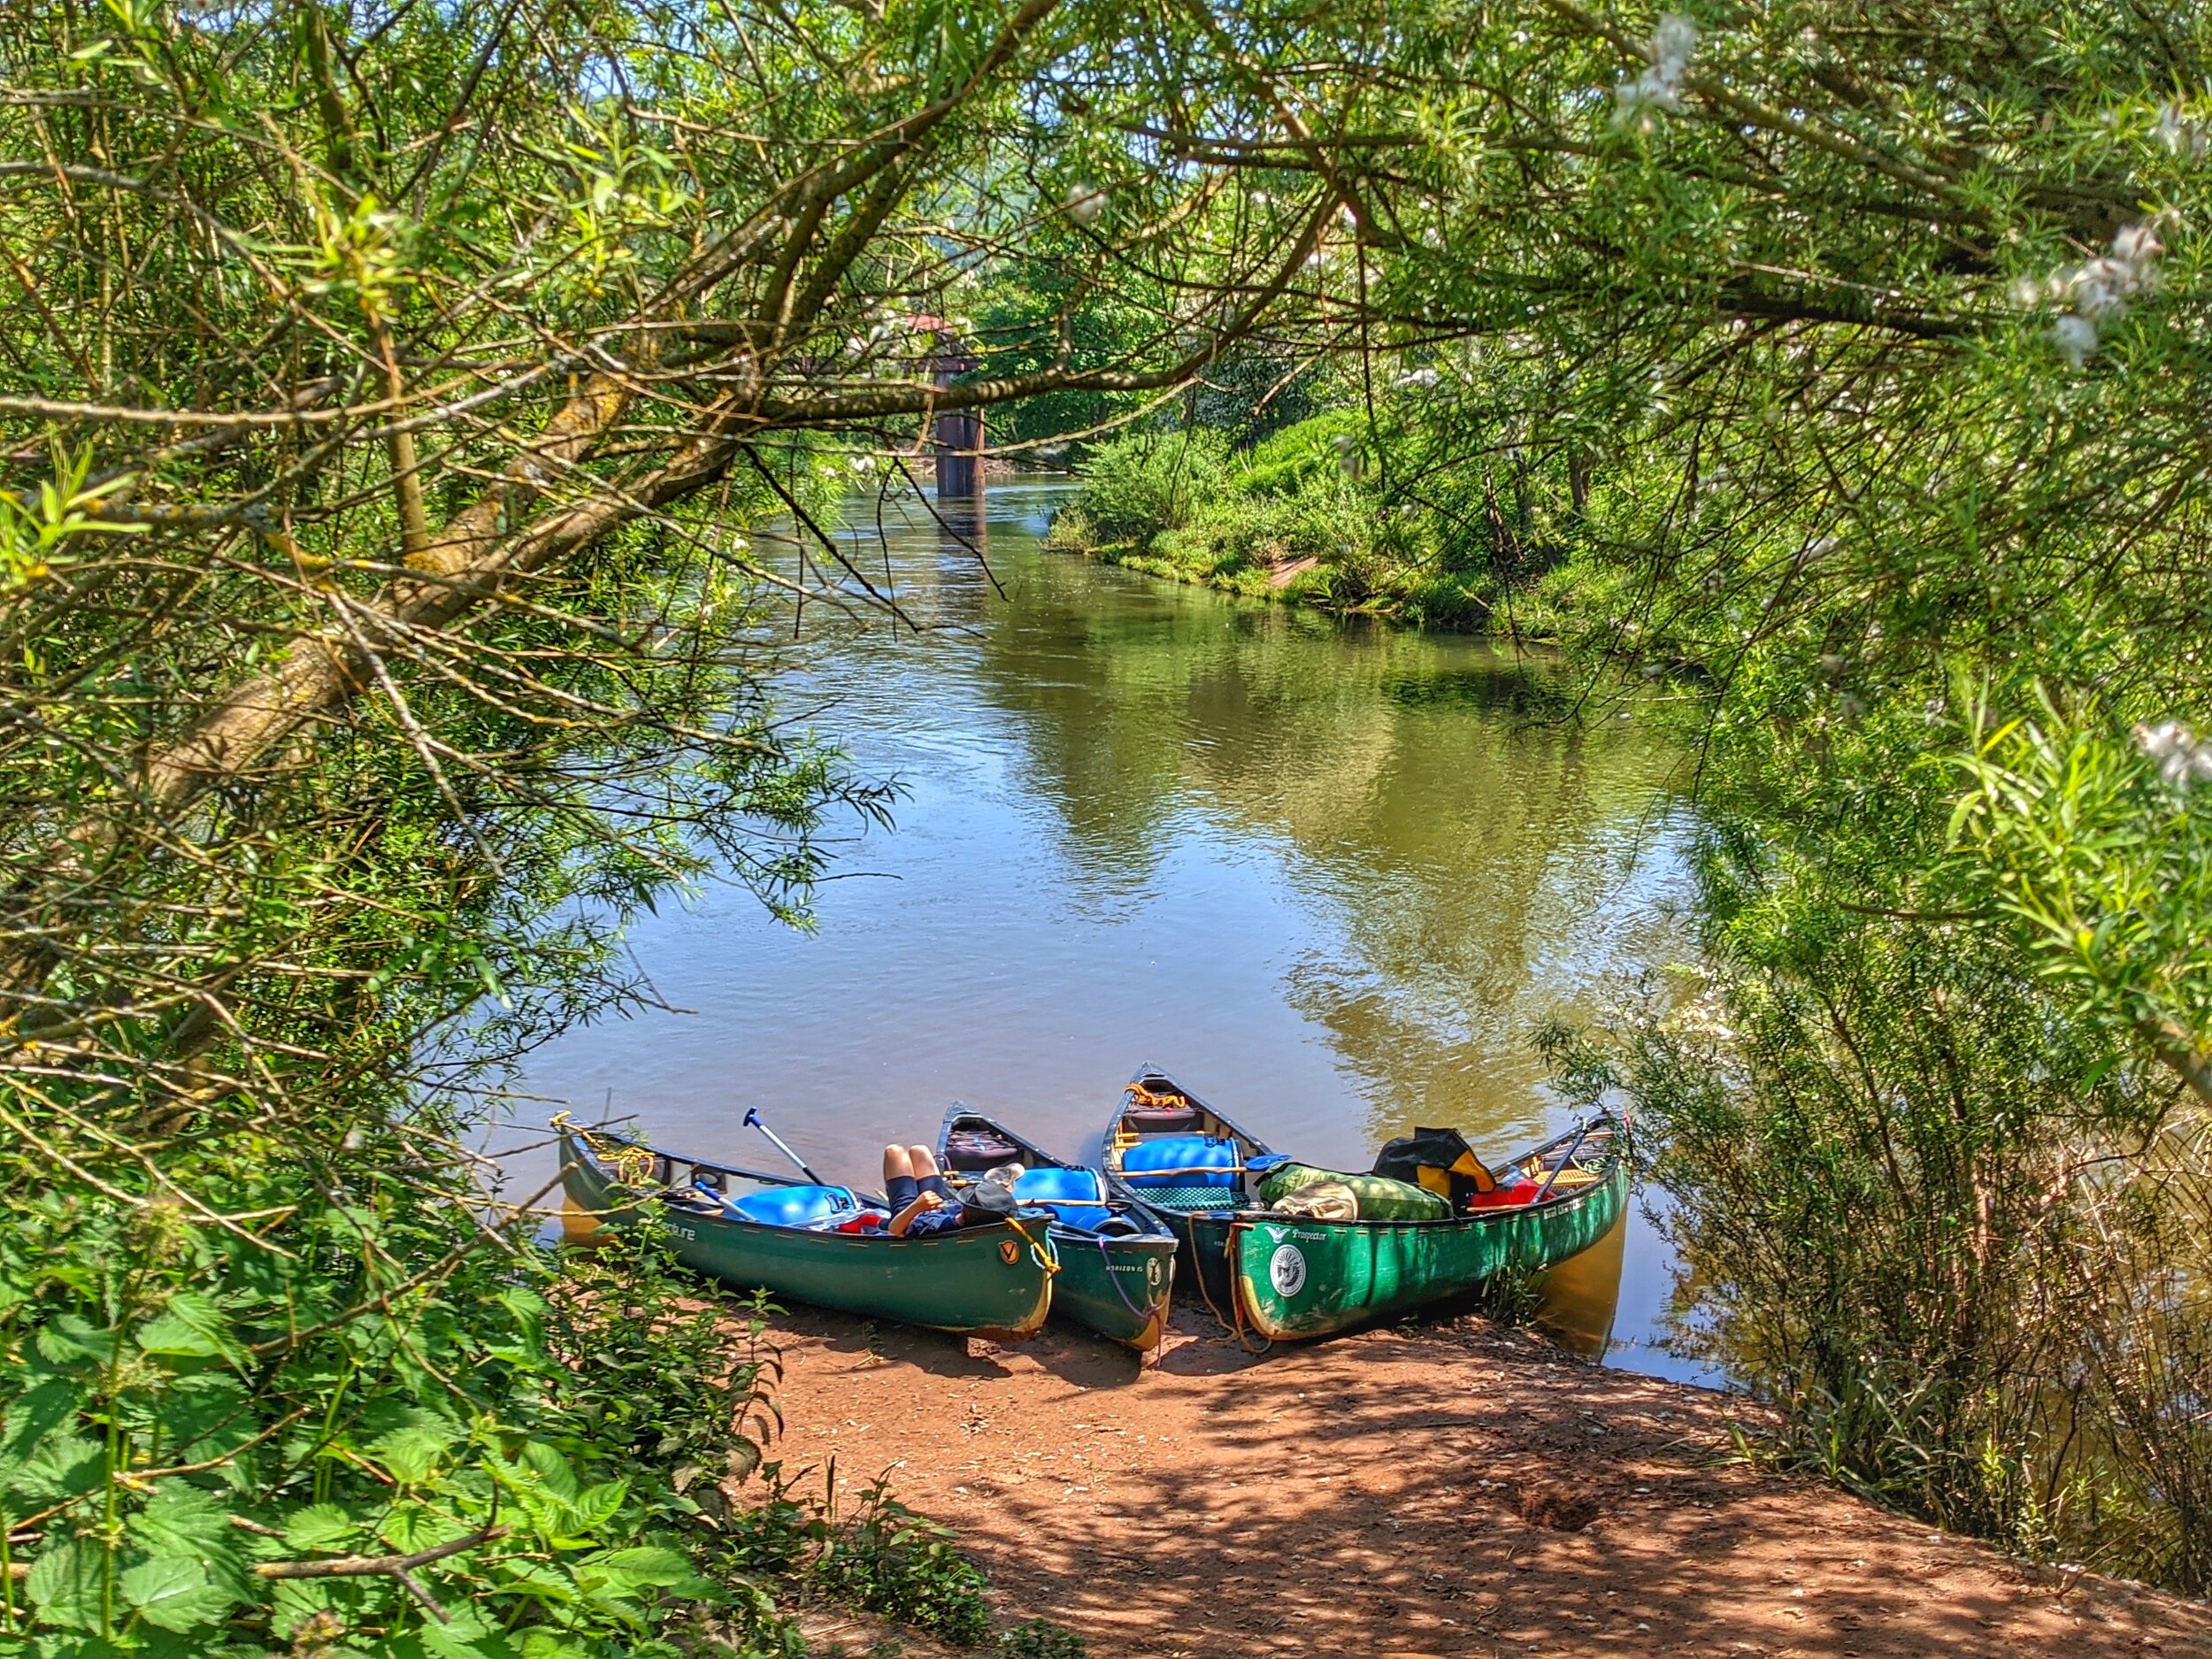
(1441,1489)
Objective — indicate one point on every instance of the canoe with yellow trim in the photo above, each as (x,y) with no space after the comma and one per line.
(1293,1275)
(994,1280)
(1117,1266)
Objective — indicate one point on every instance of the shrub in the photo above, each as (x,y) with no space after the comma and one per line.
(1040,1639)
(891,1561)
(1147,482)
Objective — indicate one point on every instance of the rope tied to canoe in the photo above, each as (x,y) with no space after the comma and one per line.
(1236,1284)
(633,1164)
(1042,1256)
(1139,1096)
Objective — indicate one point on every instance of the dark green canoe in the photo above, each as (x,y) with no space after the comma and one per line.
(984,1282)
(1291,1276)
(1116,1273)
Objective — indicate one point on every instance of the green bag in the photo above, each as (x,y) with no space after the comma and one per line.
(1381,1198)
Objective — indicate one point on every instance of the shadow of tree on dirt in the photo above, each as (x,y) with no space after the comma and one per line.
(1442,1489)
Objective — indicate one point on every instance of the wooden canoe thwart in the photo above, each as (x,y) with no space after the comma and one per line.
(1286,1276)
(1116,1265)
(765,1231)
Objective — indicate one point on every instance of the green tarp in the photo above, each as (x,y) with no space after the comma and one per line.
(1381,1198)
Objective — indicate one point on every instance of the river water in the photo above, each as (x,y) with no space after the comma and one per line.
(1332,876)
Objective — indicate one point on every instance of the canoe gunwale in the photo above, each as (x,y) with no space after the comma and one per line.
(715,1234)
(1072,1244)
(1211,1237)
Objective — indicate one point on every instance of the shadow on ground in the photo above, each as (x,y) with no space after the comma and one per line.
(1440,1490)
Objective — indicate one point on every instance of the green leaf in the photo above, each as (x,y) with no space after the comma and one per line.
(193,1326)
(552,1469)
(72,1337)
(465,1635)
(410,1454)
(647,1564)
(183,1520)
(205,1416)
(64,1466)
(38,1410)
(320,1526)
(595,1506)
(66,1584)
(175,1592)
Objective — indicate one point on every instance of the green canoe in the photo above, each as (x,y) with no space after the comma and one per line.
(1293,1275)
(983,1282)
(1116,1273)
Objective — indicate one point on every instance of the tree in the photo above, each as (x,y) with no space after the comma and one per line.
(1869,348)
(393,389)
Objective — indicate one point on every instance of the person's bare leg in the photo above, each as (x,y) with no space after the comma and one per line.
(923,1161)
(899,1161)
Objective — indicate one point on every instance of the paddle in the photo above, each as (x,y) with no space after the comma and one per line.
(753,1121)
(1565,1158)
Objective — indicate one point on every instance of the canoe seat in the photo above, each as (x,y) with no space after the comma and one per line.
(973,1147)
(1191,1200)
(792,1206)
(1084,1217)
(1051,1186)
(1181,1161)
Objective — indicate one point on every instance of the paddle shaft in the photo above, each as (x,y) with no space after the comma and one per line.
(753,1120)
(1565,1158)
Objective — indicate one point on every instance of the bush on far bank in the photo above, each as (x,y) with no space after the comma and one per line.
(1306,516)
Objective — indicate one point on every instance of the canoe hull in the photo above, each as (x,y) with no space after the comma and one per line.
(1299,1277)
(1119,1288)
(982,1281)
(1202,1241)
(1117,1285)
(1288,1276)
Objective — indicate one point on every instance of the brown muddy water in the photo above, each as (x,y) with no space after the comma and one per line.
(1333,876)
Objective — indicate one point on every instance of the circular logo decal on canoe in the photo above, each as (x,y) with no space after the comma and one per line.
(1008,1250)
(1287,1270)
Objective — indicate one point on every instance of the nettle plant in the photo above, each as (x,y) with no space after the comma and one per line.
(316,1436)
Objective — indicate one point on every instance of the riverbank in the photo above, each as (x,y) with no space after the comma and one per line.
(1435,1489)
(1275,572)
(1296,520)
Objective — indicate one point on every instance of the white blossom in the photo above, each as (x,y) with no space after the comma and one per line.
(1086,203)
(2183,757)
(2098,290)
(1659,86)
(2181,134)
(1417,377)
(2075,338)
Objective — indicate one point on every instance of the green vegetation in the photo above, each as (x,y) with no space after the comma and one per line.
(1039,1639)
(882,1558)
(1312,515)
(390,390)
(1844,376)
(391,394)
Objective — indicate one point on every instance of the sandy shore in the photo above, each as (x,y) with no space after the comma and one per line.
(1439,1489)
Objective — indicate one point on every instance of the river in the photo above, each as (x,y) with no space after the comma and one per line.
(1332,876)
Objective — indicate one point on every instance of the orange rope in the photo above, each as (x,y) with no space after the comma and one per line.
(1044,1257)
(633,1164)
(1139,1096)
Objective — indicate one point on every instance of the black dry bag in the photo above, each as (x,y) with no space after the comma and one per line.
(1441,1161)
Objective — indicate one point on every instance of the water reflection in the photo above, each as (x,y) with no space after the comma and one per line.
(1331,875)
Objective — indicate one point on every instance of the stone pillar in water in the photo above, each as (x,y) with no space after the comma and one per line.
(958,439)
